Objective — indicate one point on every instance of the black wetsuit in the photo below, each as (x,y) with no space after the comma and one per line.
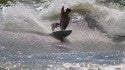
(64,20)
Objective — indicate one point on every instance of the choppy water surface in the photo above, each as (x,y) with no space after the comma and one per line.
(97,41)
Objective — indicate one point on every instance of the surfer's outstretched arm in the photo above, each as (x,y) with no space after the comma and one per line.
(62,10)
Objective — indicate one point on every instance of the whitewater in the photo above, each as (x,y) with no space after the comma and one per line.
(96,43)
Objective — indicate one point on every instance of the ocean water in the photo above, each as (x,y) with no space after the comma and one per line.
(96,43)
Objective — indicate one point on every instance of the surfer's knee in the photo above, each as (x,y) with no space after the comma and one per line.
(54,25)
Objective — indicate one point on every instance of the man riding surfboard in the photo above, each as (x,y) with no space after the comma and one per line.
(64,20)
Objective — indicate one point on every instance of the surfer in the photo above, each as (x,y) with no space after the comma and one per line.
(64,20)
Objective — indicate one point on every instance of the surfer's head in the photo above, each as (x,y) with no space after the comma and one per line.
(68,10)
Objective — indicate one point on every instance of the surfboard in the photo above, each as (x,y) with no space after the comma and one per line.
(64,33)
(60,35)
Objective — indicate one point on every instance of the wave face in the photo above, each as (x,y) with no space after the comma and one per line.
(96,43)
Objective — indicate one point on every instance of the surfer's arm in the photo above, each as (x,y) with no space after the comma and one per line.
(62,10)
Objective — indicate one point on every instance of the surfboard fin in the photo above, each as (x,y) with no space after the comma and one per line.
(58,37)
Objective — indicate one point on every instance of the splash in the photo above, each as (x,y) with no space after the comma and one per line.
(24,19)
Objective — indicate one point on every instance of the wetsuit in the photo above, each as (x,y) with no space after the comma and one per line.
(64,19)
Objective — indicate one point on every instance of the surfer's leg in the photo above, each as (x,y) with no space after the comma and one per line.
(65,26)
(54,25)
(61,26)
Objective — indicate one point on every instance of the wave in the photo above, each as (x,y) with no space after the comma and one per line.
(107,20)
(24,34)
(87,18)
(92,17)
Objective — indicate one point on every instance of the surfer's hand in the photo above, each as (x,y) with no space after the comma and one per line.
(62,6)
